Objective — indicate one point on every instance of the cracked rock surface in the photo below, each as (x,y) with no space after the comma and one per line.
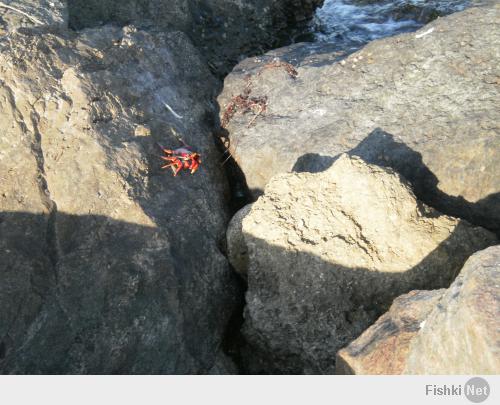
(425,104)
(327,254)
(108,264)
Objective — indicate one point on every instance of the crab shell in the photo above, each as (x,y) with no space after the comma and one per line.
(181,158)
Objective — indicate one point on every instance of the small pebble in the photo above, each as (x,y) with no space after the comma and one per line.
(142,130)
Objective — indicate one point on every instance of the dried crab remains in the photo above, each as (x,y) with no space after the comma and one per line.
(243,103)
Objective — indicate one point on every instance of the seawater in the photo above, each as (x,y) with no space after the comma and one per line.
(353,23)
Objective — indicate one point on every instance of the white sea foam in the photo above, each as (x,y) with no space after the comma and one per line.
(352,23)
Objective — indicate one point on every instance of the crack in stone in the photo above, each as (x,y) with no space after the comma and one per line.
(48,202)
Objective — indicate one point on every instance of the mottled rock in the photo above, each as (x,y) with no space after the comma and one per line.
(460,336)
(224,365)
(237,252)
(108,264)
(327,254)
(27,13)
(383,347)
(224,30)
(425,104)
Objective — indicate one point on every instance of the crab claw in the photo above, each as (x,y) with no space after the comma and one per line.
(174,163)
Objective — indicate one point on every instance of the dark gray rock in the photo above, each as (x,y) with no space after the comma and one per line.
(224,30)
(425,104)
(108,264)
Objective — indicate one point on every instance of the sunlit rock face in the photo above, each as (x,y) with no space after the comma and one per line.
(460,335)
(423,103)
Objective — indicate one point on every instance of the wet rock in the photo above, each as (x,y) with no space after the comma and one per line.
(460,335)
(422,103)
(383,348)
(108,264)
(224,30)
(327,254)
(26,13)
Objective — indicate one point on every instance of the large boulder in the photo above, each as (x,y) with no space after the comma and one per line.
(27,13)
(460,336)
(108,264)
(327,254)
(224,30)
(383,348)
(453,331)
(425,104)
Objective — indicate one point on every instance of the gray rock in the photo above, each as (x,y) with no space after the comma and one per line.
(224,365)
(383,347)
(237,252)
(108,264)
(425,104)
(224,30)
(460,336)
(327,254)
(26,13)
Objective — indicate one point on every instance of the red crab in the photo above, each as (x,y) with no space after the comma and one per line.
(181,158)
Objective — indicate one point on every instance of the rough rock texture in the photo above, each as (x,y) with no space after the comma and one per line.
(460,336)
(223,366)
(383,347)
(424,103)
(224,30)
(237,252)
(327,254)
(453,331)
(108,264)
(49,13)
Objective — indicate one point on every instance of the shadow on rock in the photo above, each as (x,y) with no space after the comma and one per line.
(380,148)
(313,163)
(89,294)
(302,309)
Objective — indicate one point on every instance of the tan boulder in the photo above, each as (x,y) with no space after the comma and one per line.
(461,335)
(328,253)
